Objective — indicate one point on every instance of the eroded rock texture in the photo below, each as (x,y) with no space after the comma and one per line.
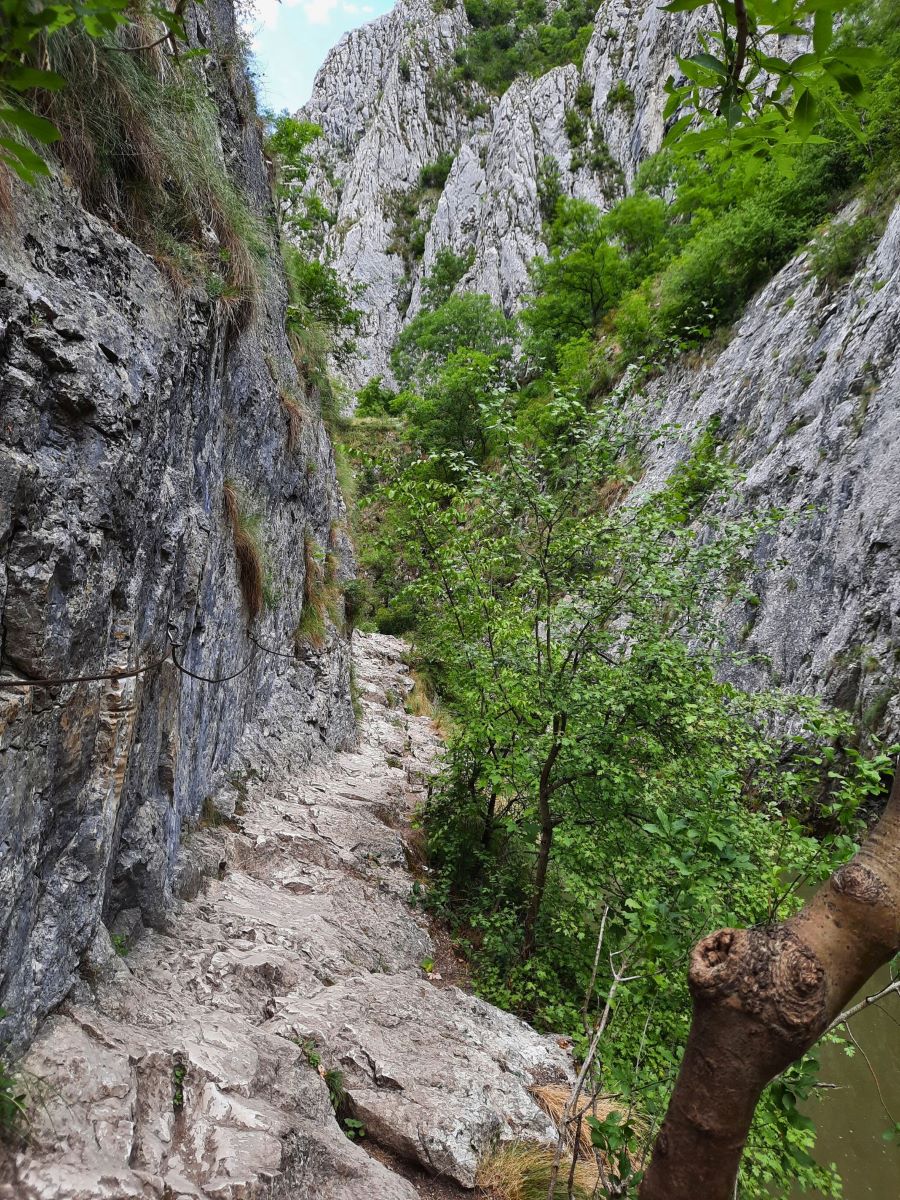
(125,405)
(387,105)
(806,397)
(184,1069)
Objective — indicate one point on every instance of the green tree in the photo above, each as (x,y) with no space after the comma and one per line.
(469,321)
(581,280)
(448,415)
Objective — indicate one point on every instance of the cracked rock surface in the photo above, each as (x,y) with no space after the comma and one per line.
(182,1069)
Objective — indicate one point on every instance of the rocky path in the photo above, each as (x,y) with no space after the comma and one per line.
(191,1063)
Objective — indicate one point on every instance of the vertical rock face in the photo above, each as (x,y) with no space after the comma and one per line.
(805,396)
(125,406)
(387,106)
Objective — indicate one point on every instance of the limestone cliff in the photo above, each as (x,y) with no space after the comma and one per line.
(126,404)
(387,105)
(806,392)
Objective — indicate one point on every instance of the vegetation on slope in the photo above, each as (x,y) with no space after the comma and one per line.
(510,39)
(599,775)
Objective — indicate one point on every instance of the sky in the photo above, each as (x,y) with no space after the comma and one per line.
(290,41)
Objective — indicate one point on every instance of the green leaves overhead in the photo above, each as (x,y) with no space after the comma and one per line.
(734,93)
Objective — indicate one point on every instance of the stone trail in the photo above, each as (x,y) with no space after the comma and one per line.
(181,1069)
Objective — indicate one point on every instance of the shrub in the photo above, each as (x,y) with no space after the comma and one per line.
(549,187)
(510,39)
(448,270)
(434,174)
(374,399)
(837,252)
(620,96)
(468,321)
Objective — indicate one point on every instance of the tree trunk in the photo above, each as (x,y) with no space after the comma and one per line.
(762,997)
(545,845)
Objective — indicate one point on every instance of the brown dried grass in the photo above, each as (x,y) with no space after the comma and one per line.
(294,414)
(522,1170)
(249,558)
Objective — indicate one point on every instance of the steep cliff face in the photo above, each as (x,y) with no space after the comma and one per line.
(388,107)
(126,406)
(806,398)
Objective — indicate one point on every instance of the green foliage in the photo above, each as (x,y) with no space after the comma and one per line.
(317,296)
(584,276)
(682,256)
(510,39)
(13,1100)
(448,270)
(839,250)
(463,322)
(24,70)
(549,187)
(354,1129)
(287,141)
(447,415)
(729,83)
(597,758)
(179,1074)
(434,174)
(139,137)
(374,399)
(621,96)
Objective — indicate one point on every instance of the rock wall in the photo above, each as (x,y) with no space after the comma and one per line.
(125,406)
(387,107)
(806,394)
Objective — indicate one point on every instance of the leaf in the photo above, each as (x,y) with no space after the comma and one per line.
(823,31)
(23,160)
(37,127)
(710,63)
(683,5)
(805,112)
(20,79)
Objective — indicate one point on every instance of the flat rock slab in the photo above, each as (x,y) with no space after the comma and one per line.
(435,1075)
(183,1072)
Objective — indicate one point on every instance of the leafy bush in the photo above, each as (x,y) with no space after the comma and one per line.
(510,39)
(434,174)
(838,251)
(597,758)
(464,322)
(448,270)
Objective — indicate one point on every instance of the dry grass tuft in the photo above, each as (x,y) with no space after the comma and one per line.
(294,413)
(311,629)
(522,1170)
(418,698)
(553,1098)
(7,209)
(139,138)
(246,547)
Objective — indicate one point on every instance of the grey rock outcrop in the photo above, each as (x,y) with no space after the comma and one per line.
(125,406)
(194,1066)
(806,394)
(387,104)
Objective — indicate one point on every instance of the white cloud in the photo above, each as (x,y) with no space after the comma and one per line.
(318,12)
